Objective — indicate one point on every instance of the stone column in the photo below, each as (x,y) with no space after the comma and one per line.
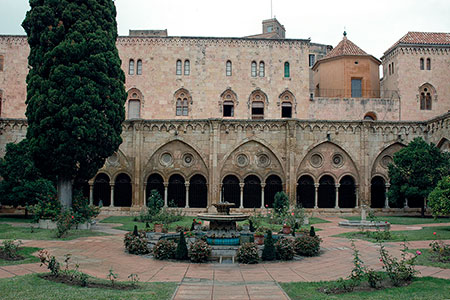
(337,196)
(241,185)
(263,185)
(220,192)
(186,184)
(112,194)
(91,193)
(406,203)
(145,194)
(386,198)
(356,196)
(166,186)
(316,195)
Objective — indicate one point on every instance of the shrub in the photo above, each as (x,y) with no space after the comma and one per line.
(136,243)
(154,202)
(64,222)
(269,252)
(374,278)
(10,247)
(307,245)
(312,231)
(164,249)
(49,261)
(439,198)
(248,254)
(48,208)
(281,203)
(199,251)
(82,211)
(285,249)
(399,271)
(440,251)
(182,250)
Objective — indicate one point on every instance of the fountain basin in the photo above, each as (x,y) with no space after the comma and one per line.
(365,224)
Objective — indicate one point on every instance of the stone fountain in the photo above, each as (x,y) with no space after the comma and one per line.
(363,223)
(223,220)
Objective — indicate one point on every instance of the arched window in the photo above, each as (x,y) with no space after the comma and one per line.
(187,67)
(134,104)
(2,62)
(123,190)
(287,72)
(253,68)
(426,96)
(257,100)
(178,72)
(390,69)
(139,67)
(261,69)
(428,63)
(228,68)
(131,67)
(229,99)
(182,101)
(422,64)
(287,100)
(370,116)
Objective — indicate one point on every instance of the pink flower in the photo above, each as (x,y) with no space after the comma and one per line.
(267,205)
(434,233)
(199,222)
(72,217)
(381,260)
(385,222)
(293,214)
(418,252)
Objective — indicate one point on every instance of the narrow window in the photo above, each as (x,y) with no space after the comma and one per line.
(286,110)
(179,107)
(287,72)
(253,68)
(422,65)
(392,67)
(134,109)
(228,68)
(228,109)
(312,60)
(1,102)
(428,101)
(2,61)
(139,67)
(178,72)
(425,98)
(261,69)
(356,88)
(131,67)
(428,64)
(187,67)
(185,107)
(257,110)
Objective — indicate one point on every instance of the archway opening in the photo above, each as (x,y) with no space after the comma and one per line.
(377,192)
(198,191)
(176,194)
(231,191)
(102,190)
(305,191)
(122,191)
(155,182)
(327,192)
(273,186)
(252,192)
(347,195)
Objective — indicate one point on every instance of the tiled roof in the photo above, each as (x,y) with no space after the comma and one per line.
(423,38)
(345,47)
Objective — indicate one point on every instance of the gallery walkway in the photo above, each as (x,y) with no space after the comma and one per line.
(96,255)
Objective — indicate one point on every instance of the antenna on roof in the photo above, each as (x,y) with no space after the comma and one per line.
(345,32)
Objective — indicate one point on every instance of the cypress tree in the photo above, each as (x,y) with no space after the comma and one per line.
(312,231)
(182,250)
(135,231)
(75,88)
(269,252)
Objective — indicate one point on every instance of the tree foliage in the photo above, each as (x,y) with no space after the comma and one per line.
(75,86)
(281,203)
(22,182)
(416,170)
(269,252)
(439,198)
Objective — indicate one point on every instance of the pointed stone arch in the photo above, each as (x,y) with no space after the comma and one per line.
(381,162)
(444,145)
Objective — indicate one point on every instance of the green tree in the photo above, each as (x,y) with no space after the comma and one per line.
(182,250)
(22,182)
(416,170)
(75,88)
(269,252)
(439,198)
(281,203)
(154,203)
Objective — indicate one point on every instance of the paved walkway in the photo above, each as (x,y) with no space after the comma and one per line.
(96,255)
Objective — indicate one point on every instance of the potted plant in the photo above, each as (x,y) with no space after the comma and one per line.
(259,237)
(158,227)
(286,229)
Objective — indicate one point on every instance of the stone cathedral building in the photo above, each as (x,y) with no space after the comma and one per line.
(240,119)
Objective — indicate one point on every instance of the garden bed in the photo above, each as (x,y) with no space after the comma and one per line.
(69,280)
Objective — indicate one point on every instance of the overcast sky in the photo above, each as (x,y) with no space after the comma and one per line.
(373,25)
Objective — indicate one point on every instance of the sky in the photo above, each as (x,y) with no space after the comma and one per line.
(372,25)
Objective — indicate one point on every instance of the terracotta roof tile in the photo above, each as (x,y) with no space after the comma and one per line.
(345,47)
(423,38)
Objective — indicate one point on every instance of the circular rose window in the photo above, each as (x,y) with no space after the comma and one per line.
(166,159)
(241,160)
(386,160)
(263,160)
(337,160)
(316,160)
(188,159)
(113,159)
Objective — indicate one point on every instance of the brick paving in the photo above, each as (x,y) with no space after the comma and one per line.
(96,255)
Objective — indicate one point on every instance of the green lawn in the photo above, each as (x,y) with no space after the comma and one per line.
(420,288)
(15,219)
(426,259)
(426,233)
(128,223)
(26,253)
(405,220)
(34,288)
(26,233)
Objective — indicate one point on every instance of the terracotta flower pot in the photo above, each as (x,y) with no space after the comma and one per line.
(259,239)
(286,229)
(158,227)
